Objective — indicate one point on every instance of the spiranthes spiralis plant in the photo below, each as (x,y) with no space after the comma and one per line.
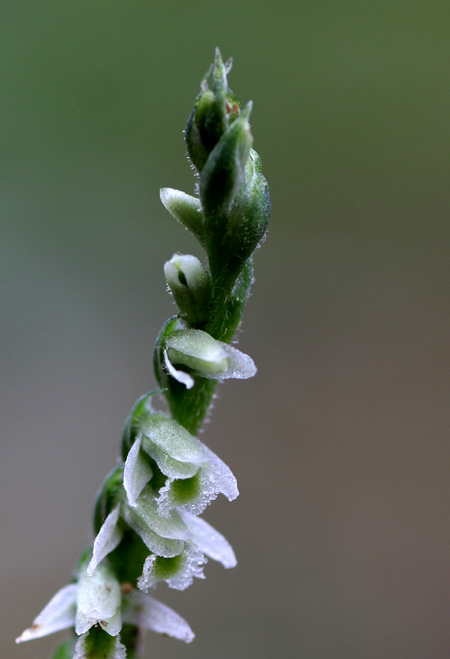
(147,522)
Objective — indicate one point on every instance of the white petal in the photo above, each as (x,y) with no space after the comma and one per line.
(170,467)
(173,439)
(197,350)
(137,473)
(112,625)
(180,376)
(190,567)
(214,478)
(148,613)
(99,600)
(107,539)
(221,475)
(173,527)
(58,614)
(210,541)
(163,536)
(240,365)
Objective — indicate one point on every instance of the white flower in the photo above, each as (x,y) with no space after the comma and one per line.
(179,543)
(195,475)
(193,495)
(204,356)
(178,571)
(97,600)
(93,600)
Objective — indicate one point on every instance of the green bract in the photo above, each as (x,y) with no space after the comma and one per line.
(147,522)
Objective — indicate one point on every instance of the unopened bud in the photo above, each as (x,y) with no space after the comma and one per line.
(249,214)
(224,170)
(185,208)
(190,285)
(213,112)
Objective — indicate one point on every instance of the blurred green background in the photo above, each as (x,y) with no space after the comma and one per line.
(341,443)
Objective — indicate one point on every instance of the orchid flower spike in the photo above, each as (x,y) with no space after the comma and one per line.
(147,527)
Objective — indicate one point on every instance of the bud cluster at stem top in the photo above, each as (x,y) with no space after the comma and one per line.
(230,215)
(213,112)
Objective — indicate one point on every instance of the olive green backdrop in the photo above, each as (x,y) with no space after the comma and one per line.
(341,443)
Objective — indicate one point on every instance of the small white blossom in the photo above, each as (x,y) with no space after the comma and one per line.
(178,572)
(204,356)
(180,456)
(98,600)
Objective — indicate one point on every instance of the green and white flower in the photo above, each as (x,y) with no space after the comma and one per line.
(204,356)
(97,601)
(179,544)
(194,474)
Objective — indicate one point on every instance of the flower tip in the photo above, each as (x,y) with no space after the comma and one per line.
(247,109)
(164,194)
(217,56)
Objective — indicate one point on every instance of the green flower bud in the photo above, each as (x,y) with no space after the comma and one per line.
(185,208)
(190,285)
(246,221)
(196,149)
(224,171)
(213,112)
